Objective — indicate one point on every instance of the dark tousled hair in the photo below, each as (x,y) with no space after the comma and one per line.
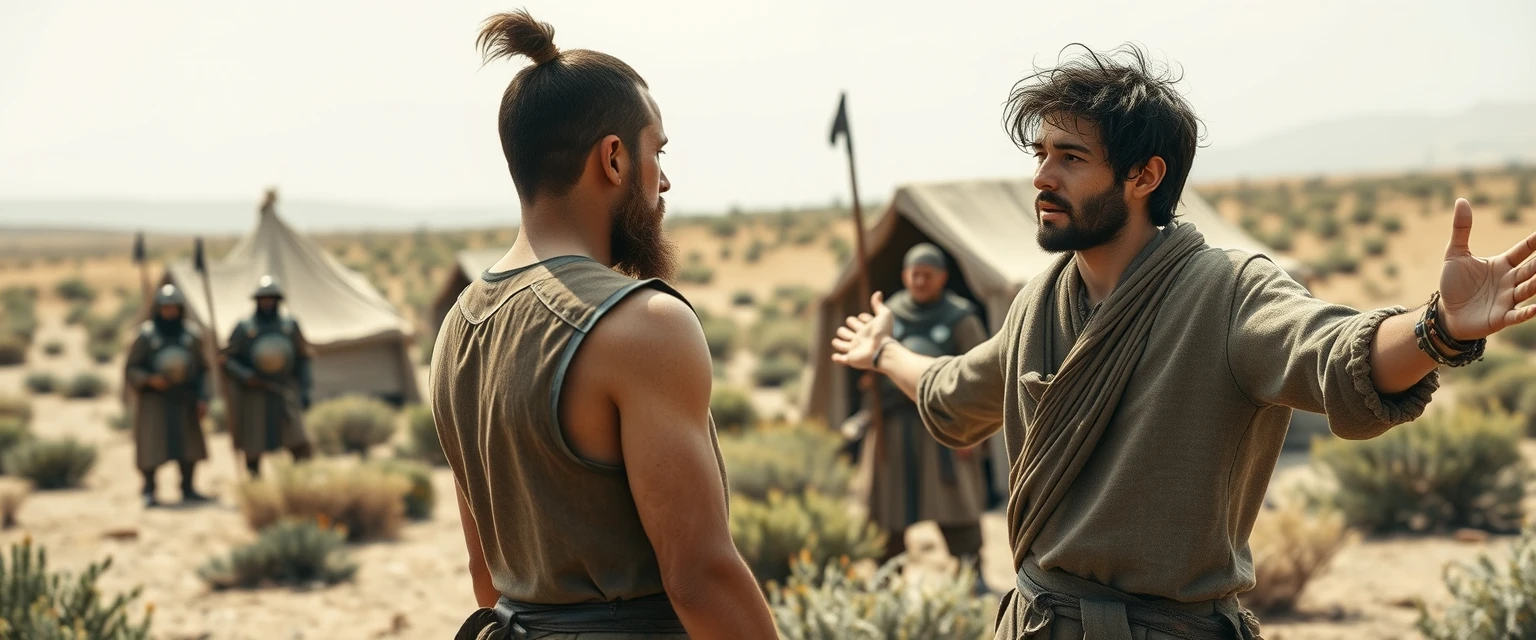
(1133,103)
(555,110)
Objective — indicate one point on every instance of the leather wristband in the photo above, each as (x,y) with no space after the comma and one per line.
(875,361)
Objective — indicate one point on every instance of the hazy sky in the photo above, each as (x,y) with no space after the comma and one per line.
(386,102)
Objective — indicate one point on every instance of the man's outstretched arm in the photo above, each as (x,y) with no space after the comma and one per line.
(659,381)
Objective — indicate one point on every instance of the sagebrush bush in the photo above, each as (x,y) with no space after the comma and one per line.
(51,464)
(12,351)
(1511,215)
(723,227)
(1493,361)
(13,492)
(53,348)
(743,298)
(834,602)
(16,407)
(1502,389)
(1447,470)
(422,429)
(350,424)
(754,251)
(791,459)
(84,385)
(783,337)
(1490,600)
(696,273)
(288,553)
(420,496)
(367,502)
(41,382)
(771,533)
(1327,227)
(731,407)
(36,604)
(719,335)
(1521,335)
(1281,240)
(12,432)
(774,371)
(102,352)
(1391,224)
(74,289)
(78,312)
(1374,246)
(1290,547)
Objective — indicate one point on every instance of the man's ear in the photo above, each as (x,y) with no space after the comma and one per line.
(1146,179)
(613,158)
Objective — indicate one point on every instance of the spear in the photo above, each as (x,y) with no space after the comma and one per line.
(840,128)
(141,258)
(200,264)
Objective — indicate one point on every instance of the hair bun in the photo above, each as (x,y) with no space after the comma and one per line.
(505,35)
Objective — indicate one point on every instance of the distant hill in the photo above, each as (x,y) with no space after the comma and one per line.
(234,217)
(1485,136)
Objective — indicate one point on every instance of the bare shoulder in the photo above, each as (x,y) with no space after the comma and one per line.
(650,330)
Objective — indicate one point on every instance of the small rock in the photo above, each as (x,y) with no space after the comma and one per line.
(121,533)
(1471,535)
(1404,602)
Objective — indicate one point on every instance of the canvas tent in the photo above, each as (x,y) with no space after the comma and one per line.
(987,230)
(361,343)
(467,266)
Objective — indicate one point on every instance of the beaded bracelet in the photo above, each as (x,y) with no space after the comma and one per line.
(1429,324)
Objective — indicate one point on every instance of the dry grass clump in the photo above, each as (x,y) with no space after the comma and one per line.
(365,502)
(1290,547)
(13,492)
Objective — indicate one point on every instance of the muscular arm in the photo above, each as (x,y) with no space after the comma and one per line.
(658,378)
(1397,363)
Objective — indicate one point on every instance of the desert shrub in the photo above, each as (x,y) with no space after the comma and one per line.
(792,459)
(53,348)
(1374,246)
(74,289)
(833,602)
(754,251)
(119,422)
(796,297)
(1390,270)
(719,335)
(78,312)
(1522,335)
(15,407)
(1281,240)
(1511,215)
(1249,222)
(367,502)
(1290,546)
(743,298)
(841,250)
(774,371)
(1489,600)
(102,352)
(1327,227)
(350,424)
(420,498)
(1337,260)
(1444,471)
(42,382)
(292,552)
(422,429)
(1364,213)
(1480,198)
(12,433)
(13,493)
(1503,388)
(51,464)
(36,604)
(1391,224)
(805,235)
(12,351)
(783,337)
(1525,192)
(696,273)
(771,533)
(723,227)
(731,407)
(84,385)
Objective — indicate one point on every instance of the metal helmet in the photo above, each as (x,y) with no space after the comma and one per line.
(268,287)
(169,294)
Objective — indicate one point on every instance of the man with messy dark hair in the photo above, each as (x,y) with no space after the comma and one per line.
(1144,382)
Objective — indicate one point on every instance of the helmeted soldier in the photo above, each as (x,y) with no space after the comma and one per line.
(917,478)
(168,370)
(268,362)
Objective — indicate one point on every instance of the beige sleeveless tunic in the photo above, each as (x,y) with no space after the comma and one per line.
(556,528)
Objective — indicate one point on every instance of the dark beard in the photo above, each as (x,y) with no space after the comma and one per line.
(265,315)
(637,244)
(1101,218)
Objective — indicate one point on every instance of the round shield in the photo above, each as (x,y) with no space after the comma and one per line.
(174,362)
(940,334)
(271,353)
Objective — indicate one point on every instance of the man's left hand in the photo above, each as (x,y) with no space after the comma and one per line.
(1480,296)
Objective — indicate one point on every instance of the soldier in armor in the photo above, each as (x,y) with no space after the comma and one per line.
(268,362)
(167,369)
(917,478)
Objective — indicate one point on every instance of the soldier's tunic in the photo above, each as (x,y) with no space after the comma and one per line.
(165,423)
(919,478)
(561,535)
(272,351)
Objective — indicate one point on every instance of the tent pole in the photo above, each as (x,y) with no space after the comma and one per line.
(215,366)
